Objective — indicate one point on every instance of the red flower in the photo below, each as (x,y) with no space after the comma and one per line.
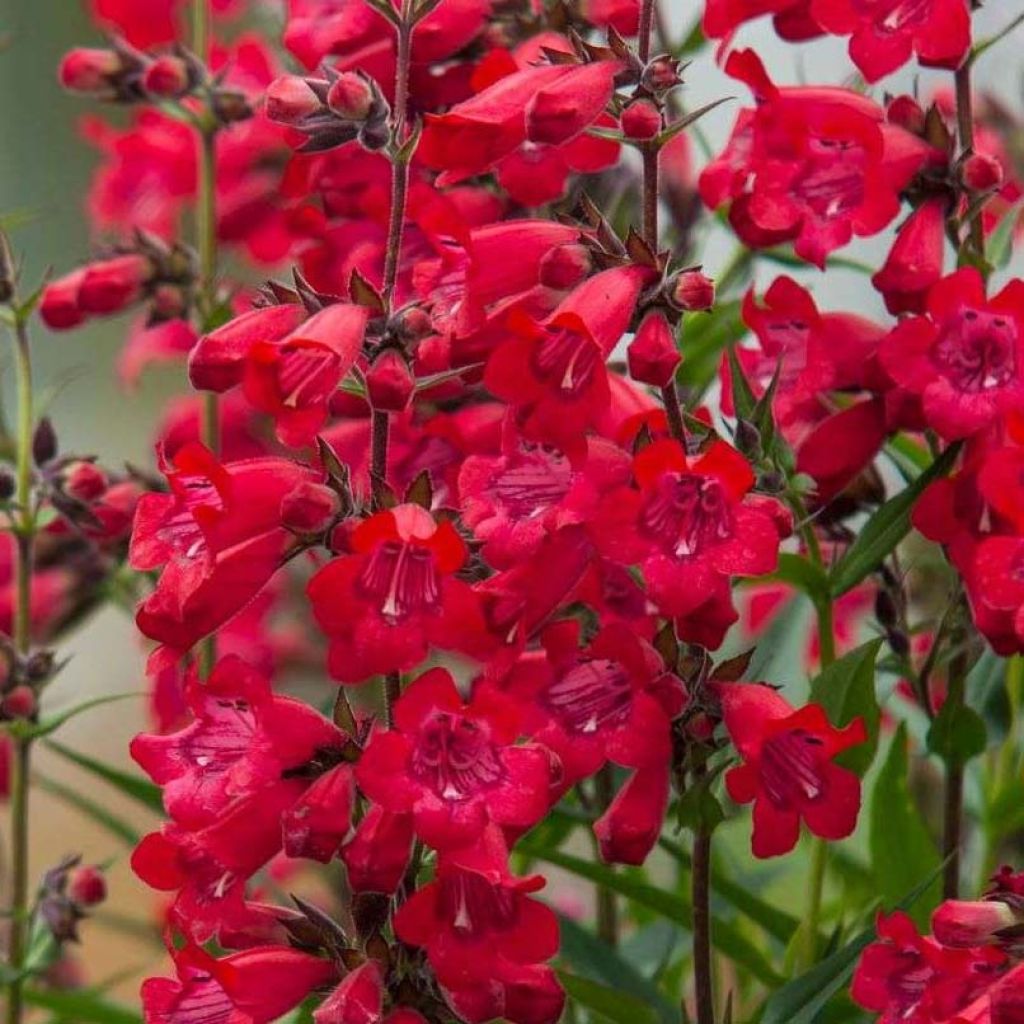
(219,536)
(965,357)
(378,852)
(317,823)
(513,501)
(811,165)
(914,262)
(255,986)
(612,700)
(792,18)
(476,914)
(788,769)
(359,999)
(906,977)
(395,596)
(242,738)
(553,373)
(688,524)
(455,766)
(529,124)
(628,830)
(885,34)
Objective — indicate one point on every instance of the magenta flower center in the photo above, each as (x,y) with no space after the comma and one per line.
(687,514)
(455,757)
(402,579)
(832,183)
(590,696)
(224,739)
(538,480)
(180,529)
(305,375)
(567,360)
(790,769)
(977,351)
(474,906)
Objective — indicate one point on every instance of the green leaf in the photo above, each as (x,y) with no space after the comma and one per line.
(596,960)
(742,394)
(116,826)
(610,1003)
(81,1006)
(1000,244)
(51,723)
(698,808)
(703,337)
(902,851)
(886,528)
(803,574)
(987,694)
(689,118)
(135,786)
(846,690)
(801,1000)
(724,936)
(957,733)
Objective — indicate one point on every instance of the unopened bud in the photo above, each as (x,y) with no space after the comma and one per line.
(59,307)
(310,508)
(44,442)
(108,286)
(692,291)
(84,481)
(641,121)
(20,703)
(964,923)
(565,266)
(412,324)
(167,77)
(389,382)
(230,106)
(981,173)
(39,666)
(86,886)
(289,100)
(351,97)
(661,75)
(905,112)
(89,70)
(748,439)
(652,355)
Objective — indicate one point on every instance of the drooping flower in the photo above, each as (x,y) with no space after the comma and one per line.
(454,765)
(788,771)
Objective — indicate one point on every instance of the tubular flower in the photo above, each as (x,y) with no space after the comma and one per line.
(395,596)
(788,770)
(455,766)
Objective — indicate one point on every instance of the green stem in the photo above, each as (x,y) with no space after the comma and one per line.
(953,802)
(607,904)
(816,888)
(22,747)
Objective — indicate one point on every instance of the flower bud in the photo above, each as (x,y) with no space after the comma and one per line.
(389,382)
(167,77)
(168,302)
(86,886)
(316,824)
(110,285)
(905,112)
(981,173)
(357,1000)
(310,508)
(652,355)
(692,291)
(351,97)
(85,481)
(378,854)
(565,266)
(89,70)
(19,703)
(641,121)
(628,830)
(412,324)
(44,442)
(661,75)
(59,307)
(964,923)
(289,100)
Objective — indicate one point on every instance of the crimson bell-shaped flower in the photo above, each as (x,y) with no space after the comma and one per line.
(317,823)
(359,999)
(378,853)
(395,596)
(218,535)
(554,373)
(242,738)
(883,37)
(653,355)
(628,830)
(689,524)
(788,769)
(964,358)
(455,766)
(914,262)
(475,914)
(254,986)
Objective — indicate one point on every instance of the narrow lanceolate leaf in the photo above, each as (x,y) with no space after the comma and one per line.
(724,936)
(1000,243)
(116,826)
(801,1000)
(846,690)
(885,529)
(82,1007)
(138,788)
(51,723)
(902,851)
(596,962)
(611,1003)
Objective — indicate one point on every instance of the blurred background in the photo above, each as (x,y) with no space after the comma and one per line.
(45,166)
